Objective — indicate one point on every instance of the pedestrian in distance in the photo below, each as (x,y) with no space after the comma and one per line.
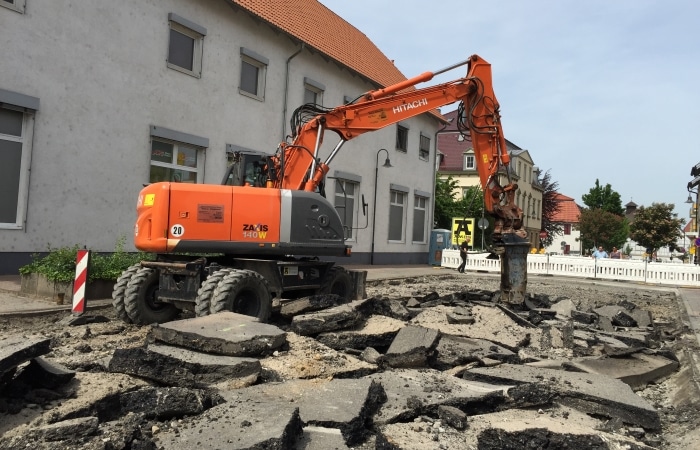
(463,247)
(600,253)
(615,254)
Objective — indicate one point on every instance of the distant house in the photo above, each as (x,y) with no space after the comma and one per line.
(456,159)
(568,216)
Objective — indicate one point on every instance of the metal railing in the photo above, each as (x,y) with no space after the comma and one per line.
(666,273)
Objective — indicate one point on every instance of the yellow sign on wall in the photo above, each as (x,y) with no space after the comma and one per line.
(461,229)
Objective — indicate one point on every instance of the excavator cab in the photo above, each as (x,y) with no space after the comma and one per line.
(246,168)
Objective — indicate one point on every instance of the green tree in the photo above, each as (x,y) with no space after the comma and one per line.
(656,226)
(604,198)
(472,205)
(599,227)
(550,207)
(445,204)
(448,206)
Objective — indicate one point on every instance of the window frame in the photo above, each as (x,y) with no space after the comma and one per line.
(316,88)
(402,137)
(16,5)
(178,139)
(339,202)
(260,63)
(419,196)
(394,192)
(26,140)
(465,162)
(192,31)
(423,152)
(28,106)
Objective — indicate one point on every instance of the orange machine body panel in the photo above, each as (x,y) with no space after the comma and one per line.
(172,215)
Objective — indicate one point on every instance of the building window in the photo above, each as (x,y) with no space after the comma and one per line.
(345,203)
(313,91)
(397,207)
(420,217)
(424,147)
(17,5)
(176,156)
(185,46)
(465,191)
(17,113)
(253,70)
(469,162)
(567,228)
(15,153)
(401,138)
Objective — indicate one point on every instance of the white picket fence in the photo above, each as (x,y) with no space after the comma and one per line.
(664,273)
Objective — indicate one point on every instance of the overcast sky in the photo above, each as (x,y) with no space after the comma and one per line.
(593,89)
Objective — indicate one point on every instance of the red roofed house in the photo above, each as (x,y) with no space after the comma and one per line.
(99,98)
(568,217)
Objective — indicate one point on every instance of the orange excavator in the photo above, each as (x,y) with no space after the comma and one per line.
(259,234)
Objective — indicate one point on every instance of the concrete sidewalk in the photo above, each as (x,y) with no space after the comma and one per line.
(13,302)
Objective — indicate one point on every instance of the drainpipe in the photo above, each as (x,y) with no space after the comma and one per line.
(286,92)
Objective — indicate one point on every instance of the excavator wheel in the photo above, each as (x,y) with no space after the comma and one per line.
(339,282)
(120,289)
(243,292)
(141,300)
(206,290)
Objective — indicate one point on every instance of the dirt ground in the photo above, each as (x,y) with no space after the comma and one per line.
(83,348)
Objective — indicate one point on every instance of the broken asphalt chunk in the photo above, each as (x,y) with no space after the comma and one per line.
(16,349)
(412,347)
(173,366)
(591,393)
(340,317)
(224,333)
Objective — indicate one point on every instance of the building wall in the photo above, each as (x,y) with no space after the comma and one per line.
(99,70)
(561,241)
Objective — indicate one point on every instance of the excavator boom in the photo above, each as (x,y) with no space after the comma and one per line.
(300,168)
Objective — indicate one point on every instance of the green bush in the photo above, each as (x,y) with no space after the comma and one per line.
(59,264)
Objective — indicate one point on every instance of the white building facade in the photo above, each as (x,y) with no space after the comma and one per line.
(99,98)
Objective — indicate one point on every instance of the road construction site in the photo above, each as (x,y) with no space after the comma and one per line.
(426,359)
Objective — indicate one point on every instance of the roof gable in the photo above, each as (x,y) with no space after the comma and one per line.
(569,211)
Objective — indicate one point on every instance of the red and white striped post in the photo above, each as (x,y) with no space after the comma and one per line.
(81,276)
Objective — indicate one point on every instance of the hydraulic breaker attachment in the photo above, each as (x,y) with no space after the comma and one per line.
(513,269)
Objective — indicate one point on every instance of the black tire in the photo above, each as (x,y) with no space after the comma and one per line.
(141,300)
(206,291)
(243,292)
(119,291)
(339,282)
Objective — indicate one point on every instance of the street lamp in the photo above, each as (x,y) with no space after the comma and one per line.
(694,217)
(387,163)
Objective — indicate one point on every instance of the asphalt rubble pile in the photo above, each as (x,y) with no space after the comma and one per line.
(455,371)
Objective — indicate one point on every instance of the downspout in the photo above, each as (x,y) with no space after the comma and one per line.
(286,91)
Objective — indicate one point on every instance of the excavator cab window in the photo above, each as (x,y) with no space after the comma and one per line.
(246,169)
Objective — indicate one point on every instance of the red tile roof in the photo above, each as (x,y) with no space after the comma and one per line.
(323,30)
(569,211)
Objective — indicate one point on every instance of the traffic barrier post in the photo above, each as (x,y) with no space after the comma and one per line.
(82,264)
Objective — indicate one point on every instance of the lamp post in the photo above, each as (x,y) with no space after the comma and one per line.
(694,217)
(387,163)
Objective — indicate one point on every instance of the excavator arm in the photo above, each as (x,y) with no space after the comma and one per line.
(298,166)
